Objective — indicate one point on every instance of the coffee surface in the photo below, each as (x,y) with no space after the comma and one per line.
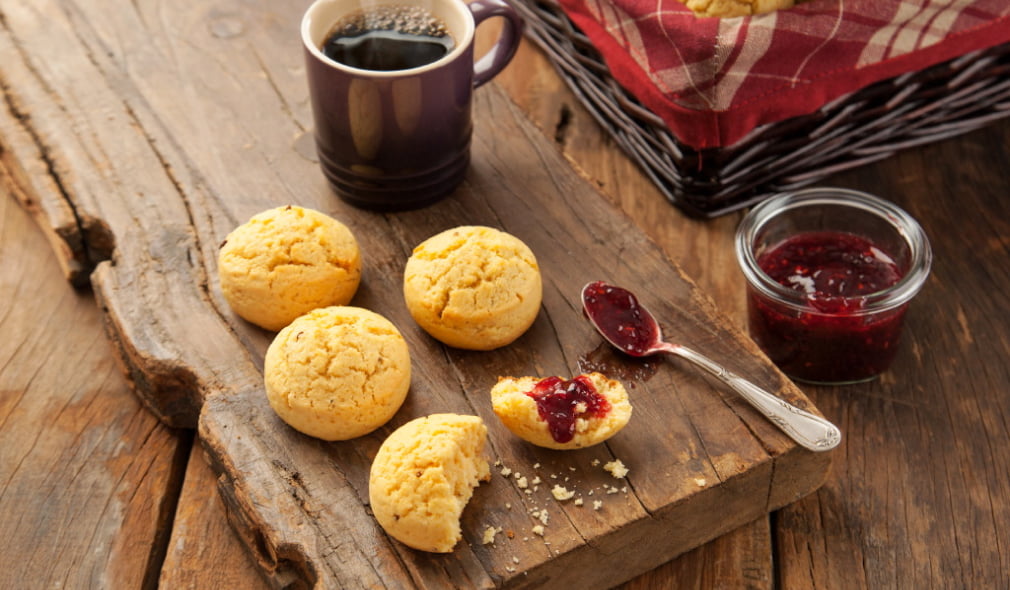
(388,38)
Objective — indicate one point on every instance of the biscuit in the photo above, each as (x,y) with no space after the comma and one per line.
(423,476)
(337,373)
(285,262)
(734,8)
(473,287)
(559,414)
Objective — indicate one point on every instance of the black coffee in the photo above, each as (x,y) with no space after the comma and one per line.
(388,38)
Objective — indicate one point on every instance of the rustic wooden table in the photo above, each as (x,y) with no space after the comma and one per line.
(96,493)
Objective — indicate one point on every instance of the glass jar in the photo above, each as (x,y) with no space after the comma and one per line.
(830,273)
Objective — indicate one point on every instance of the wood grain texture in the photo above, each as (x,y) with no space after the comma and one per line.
(88,478)
(203,551)
(169,173)
(926,465)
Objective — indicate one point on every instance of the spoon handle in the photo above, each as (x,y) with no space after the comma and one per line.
(810,431)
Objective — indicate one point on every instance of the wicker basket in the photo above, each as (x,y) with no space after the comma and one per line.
(864,126)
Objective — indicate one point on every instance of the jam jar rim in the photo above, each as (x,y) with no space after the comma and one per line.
(886,299)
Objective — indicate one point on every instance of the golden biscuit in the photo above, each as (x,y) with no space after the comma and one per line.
(423,476)
(285,262)
(558,414)
(733,8)
(337,373)
(473,287)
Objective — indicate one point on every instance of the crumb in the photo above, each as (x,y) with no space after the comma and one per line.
(528,491)
(578,501)
(624,490)
(506,471)
(522,483)
(616,468)
(612,490)
(595,462)
(561,493)
(515,559)
(536,480)
(543,517)
(508,505)
(597,504)
(571,469)
(700,481)
(538,530)
(489,534)
(536,466)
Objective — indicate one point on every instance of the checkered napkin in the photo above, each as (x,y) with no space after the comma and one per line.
(714,80)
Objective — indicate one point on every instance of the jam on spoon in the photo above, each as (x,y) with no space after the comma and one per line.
(618,316)
(625,323)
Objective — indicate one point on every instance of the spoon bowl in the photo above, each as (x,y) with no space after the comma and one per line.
(618,316)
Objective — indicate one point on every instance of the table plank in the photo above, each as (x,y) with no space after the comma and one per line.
(88,478)
(204,551)
(918,496)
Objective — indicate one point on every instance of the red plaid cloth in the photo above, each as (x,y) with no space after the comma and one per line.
(714,80)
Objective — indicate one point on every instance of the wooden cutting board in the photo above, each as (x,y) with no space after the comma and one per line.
(156,128)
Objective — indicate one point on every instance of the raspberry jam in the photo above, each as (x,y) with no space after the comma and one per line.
(834,339)
(560,403)
(620,318)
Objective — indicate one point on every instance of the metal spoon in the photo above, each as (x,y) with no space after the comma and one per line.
(617,315)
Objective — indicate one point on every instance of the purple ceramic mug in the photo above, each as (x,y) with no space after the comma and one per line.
(400,139)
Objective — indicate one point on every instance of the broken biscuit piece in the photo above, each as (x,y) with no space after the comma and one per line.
(423,476)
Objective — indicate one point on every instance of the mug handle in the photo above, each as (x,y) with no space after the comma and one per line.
(505,47)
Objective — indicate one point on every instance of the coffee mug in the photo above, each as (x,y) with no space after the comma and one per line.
(393,132)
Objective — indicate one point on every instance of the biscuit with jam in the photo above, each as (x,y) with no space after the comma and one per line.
(562,414)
